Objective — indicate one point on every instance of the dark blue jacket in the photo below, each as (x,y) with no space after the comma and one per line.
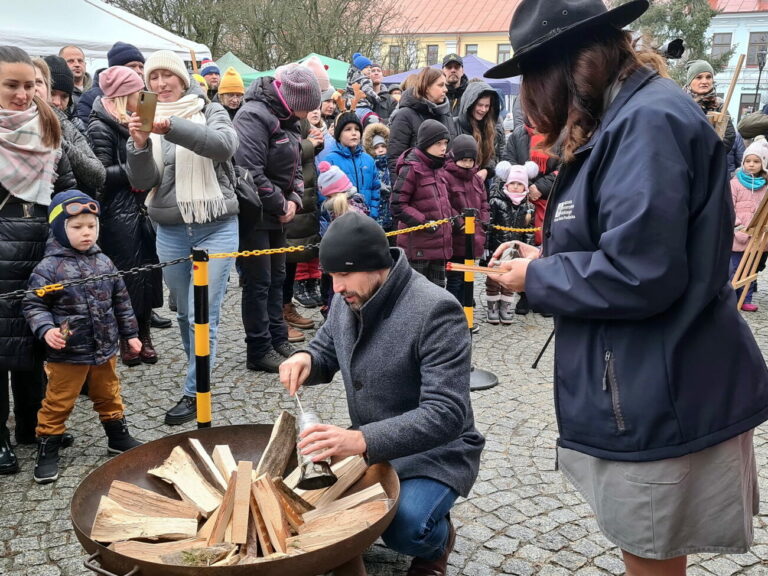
(652,358)
(98,313)
(735,155)
(360,168)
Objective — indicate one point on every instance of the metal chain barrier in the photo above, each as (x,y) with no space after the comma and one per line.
(43,290)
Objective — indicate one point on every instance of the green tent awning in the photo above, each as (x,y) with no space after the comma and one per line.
(337,71)
(230,59)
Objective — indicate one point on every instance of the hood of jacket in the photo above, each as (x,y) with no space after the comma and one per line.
(54,248)
(472,94)
(371,131)
(264,90)
(416,158)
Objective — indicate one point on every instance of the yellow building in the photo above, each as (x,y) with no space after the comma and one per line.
(422,32)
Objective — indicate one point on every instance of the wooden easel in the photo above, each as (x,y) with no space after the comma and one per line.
(719,120)
(757,229)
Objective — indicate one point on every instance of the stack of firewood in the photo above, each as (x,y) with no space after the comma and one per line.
(232,513)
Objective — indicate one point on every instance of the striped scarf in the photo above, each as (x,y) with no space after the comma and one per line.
(27,167)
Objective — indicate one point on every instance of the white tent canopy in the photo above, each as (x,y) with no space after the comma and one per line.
(42,27)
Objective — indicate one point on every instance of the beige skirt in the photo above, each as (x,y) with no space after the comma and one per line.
(697,503)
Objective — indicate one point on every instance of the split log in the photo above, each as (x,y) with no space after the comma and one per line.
(281,446)
(242,503)
(297,502)
(207,528)
(261,528)
(137,499)
(271,511)
(224,513)
(369,513)
(113,523)
(179,470)
(310,541)
(348,471)
(225,462)
(199,557)
(292,480)
(153,552)
(208,464)
(370,494)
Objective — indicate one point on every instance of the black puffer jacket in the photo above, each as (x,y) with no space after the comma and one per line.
(126,236)
(404,126)
(455,94)
(270,147)
(305,227)
(22,244)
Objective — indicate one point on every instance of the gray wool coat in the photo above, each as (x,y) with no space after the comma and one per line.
(405,362)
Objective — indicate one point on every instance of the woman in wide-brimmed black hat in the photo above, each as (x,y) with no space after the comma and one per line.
(659,382)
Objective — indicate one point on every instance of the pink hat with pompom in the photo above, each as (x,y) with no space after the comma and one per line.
(332,180)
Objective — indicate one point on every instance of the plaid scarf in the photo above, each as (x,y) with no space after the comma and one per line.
(27,167)
(708,102)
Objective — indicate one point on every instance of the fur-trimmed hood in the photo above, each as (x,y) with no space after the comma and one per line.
(375,129)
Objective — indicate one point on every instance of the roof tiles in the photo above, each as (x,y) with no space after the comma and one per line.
(451,16)
(736,6)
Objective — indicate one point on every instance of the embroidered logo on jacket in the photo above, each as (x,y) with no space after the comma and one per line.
(564,211)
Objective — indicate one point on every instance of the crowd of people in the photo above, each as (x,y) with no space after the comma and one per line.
(86,187)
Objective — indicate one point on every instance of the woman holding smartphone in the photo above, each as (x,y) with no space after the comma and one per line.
(127,236)
(32,169)
(186,159)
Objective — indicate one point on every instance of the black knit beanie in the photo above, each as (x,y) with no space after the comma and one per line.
(430,131)
(342,120)
(354,242)
(61,76)
(464,146)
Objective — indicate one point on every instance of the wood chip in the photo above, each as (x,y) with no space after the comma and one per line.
(113,523)
(132,497)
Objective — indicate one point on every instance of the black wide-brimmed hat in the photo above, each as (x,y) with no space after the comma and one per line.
(537,24)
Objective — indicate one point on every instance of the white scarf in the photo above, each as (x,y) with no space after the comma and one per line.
(198,193)
(27,167)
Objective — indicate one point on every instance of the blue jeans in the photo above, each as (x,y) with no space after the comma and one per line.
(178,240)
(420,526)
(735,260)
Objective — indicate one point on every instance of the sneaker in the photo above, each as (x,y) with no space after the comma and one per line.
(286,349)
(475,329)
(47,462)
(270,362)
(293,318)
(302,295)
(749,307)
(9,464)
(184,411)
(295,335)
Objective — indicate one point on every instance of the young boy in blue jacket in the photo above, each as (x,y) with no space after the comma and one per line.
(348,154)
(81,326)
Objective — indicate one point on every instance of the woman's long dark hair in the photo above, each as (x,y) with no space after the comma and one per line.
(563,91)
(50,128)
(484,132)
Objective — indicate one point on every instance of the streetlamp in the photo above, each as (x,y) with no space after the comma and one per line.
(760,65)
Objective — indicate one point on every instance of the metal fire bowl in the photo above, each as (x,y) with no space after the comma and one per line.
(247,442)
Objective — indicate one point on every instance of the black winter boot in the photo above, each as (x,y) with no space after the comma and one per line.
(8,462)
(118,438)
(302,295)
(47,462)
(313,289)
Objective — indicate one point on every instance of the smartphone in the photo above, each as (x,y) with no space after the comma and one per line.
(146,109)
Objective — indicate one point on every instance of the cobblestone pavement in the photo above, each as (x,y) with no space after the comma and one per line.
(521,518)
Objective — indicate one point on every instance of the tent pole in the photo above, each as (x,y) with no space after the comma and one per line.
(194,60)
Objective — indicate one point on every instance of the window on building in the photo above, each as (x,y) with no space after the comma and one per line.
(394,58)
(758,41)
(470,50)
(721,43)
(431,54)
(503,53)
(749,103)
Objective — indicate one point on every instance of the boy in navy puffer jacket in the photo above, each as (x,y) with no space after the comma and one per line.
(81,326)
